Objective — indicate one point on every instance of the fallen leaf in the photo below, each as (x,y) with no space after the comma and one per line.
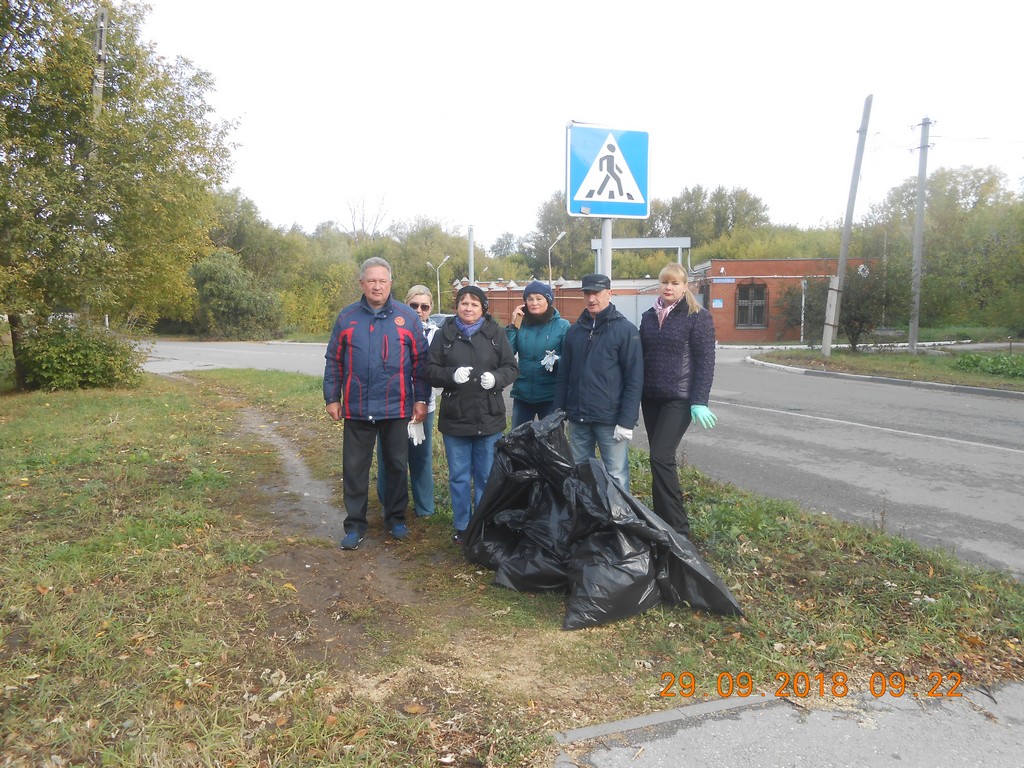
(360,733)
(289,585)
(179,705)
(414,708)
(41,589)
(331,719)
(282,721)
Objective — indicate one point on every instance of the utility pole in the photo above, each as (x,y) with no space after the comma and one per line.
(915,282)
(100,47)
(98,75)
(835,286)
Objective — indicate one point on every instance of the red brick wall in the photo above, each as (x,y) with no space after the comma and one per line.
(569,303)
(777,275)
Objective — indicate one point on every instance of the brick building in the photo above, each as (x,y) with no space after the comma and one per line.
(742,295)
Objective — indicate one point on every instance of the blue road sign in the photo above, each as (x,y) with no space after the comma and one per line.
(606,172)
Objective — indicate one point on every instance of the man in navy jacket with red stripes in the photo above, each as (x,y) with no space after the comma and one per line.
(375,379)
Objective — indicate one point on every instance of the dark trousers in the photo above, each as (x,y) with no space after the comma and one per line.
(356,456)
(666,421)
(523,411)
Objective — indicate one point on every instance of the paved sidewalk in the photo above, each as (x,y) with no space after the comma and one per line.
(983,729)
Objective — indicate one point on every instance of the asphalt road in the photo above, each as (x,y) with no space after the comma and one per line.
(943,468)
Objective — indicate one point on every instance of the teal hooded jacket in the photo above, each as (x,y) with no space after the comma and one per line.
(531,342)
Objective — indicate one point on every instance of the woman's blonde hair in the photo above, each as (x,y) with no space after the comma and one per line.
(678,271)
(416,290)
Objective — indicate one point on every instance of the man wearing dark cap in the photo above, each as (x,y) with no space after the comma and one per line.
(600,380)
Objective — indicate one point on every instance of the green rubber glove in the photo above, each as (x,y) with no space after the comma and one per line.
(703,416)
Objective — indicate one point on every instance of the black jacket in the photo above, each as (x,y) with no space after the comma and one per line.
(679,356)
(601,372)
(469,410)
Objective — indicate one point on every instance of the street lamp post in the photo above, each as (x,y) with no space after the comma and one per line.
(437,269)
(560,236)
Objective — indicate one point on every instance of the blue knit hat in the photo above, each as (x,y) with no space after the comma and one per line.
(538,287)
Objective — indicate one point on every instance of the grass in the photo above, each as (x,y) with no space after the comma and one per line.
(140,623)
(938,364)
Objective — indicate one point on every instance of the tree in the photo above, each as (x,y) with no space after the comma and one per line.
(230,302)
(506,245)
(868,294)
(103,207)
(972,264)
(572,257)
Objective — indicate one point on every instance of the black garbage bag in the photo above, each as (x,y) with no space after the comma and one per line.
(546,525)
(621,536)
(522,526)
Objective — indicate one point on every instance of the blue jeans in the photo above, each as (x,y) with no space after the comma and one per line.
(523,411)
(421,470)
(583,438)
(469,459)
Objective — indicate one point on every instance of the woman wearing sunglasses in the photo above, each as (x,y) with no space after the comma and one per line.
(421,465)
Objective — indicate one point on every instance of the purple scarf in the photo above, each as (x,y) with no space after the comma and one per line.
(469,330)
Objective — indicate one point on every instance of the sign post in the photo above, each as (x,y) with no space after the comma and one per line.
(606,175)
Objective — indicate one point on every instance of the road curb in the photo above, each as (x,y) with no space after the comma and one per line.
(652,720)
(956,388)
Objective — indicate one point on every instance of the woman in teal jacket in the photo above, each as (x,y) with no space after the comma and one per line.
(535,334)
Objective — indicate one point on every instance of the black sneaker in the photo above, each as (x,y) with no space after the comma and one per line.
(459,538)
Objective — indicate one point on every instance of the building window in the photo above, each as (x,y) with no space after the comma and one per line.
(751,306)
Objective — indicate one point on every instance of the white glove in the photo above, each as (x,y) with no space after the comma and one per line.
(416,434)
(621,433)
(487,380)
(550,358)
(462,374)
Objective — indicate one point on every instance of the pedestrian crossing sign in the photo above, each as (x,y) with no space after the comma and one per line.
(606,172)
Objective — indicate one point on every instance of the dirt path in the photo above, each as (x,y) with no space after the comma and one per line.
(332,589)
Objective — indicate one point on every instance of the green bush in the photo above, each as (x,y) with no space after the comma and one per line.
(62,355)
(230,304)
(998,365)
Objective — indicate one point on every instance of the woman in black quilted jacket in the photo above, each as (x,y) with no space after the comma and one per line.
(678,340)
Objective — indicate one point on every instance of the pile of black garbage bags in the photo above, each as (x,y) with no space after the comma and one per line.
(547,525)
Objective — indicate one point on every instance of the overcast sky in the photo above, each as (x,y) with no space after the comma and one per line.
(456,111)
